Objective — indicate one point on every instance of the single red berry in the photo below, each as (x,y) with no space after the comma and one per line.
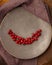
(39,34)
(10,31)
(33,34)
(17,41)
(21,41)
(12,35)
(28,40)
(25,42)
(19,37)
(14,38)
(39,31)
(32,39)
(35,38)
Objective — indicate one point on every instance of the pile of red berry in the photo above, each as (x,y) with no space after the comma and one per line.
(25,41)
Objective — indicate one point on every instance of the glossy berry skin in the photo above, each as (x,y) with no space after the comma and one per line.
(25,41)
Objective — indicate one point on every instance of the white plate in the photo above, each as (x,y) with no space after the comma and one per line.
(24,23)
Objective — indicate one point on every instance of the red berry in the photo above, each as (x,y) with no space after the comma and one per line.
(35,38)
(33,34)
(32,39)
(21,41)
(29,40)
(39,31)
(26,42)
(19,37)
(14,39)
(37,35)
(10,31)
(17,41)
(15,36)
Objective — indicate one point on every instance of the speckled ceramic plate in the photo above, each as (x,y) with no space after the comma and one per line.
(24,24)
